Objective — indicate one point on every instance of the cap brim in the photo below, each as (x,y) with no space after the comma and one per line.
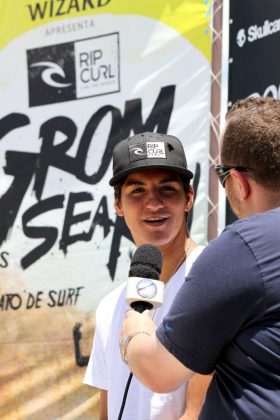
(120,177)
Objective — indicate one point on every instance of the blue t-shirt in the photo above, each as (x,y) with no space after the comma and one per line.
(226,319)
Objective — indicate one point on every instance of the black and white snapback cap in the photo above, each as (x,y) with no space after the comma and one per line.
(148,150)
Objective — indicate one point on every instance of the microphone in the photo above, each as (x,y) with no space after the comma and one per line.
(144,289)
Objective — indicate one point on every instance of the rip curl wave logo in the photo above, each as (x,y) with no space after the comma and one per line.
(50,71)
(241,38)
(138,151)
(51,74)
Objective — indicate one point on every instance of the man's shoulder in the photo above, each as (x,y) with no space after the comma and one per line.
(257,227)
(220,251)
(272,215)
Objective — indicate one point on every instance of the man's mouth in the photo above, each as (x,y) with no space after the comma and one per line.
(155,220)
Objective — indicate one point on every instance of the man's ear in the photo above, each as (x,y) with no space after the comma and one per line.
(189,199)
(118,207)
(243,184)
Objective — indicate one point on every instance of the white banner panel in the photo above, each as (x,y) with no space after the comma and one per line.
(76,78)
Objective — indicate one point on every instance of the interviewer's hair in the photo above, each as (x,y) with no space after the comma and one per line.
(252,139)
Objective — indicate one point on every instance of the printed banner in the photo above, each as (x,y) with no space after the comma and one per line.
(253,50)
(76,78)
(254,64)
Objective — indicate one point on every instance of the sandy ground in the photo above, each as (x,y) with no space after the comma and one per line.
(39,378)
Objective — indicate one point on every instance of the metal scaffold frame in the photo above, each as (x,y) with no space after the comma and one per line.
(215,110)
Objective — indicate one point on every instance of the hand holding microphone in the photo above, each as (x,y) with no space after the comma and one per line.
(144,291)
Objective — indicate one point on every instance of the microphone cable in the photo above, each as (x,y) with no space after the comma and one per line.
(127,388)
(125,396)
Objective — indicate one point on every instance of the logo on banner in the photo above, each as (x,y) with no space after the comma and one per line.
(51,70)
(75,70)
(241,38)
(255,32)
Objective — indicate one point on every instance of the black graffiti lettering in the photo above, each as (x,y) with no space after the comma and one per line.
(49,234)
(100,218)
(19,165)
(162,110)
(64,297)
(10,301)
(12,122)
(23,166)
(159,118)
(55,155)
(121,128)
(51,293)
(33,301)
(71,219)
(77,336)
(3,256)
(86,139)
(121,230)
(71,294)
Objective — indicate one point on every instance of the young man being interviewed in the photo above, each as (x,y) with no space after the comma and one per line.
(154,195)
(226,316)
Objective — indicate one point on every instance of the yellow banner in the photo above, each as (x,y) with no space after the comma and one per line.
(188,18)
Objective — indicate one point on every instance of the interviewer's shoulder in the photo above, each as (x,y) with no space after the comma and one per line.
(219,250)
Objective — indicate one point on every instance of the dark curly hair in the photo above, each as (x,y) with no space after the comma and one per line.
(252,139)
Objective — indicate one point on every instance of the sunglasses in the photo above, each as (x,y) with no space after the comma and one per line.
(223,172)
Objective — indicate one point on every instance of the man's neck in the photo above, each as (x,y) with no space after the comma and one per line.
(174,257)
(261,200)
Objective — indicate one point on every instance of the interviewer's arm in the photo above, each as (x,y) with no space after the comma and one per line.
(196,392)
(148,359)
(103,413)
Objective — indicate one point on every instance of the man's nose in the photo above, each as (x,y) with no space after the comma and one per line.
(154,200)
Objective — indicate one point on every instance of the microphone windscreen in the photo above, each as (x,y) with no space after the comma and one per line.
(146,262)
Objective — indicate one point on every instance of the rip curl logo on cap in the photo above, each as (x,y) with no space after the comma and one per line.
(138,151)
(149,150)
(156,149)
